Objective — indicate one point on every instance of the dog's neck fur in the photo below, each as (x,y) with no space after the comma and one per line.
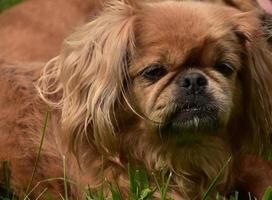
(186,164)
(193,168)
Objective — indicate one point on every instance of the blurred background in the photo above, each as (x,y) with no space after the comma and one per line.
(4,4)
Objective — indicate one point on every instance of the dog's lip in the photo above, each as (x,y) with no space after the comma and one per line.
(193,113)
(192,107)
(193,118)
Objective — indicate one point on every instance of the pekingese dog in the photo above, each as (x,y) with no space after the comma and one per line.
(180,86)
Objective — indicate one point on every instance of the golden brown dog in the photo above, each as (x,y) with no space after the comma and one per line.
(179,86)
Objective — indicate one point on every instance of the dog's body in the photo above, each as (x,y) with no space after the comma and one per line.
(21,121)
(143,80)
(35,29)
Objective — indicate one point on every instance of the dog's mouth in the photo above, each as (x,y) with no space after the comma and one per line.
(192,111)
(193,117)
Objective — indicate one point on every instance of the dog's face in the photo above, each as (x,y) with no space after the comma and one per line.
(185,72)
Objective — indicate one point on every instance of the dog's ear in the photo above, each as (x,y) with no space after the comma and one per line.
(90,72)
(256,77)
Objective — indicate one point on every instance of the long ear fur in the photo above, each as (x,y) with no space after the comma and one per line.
(260,110)
(90,73)
(258,82)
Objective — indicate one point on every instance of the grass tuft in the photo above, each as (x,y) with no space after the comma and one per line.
(5,4)
(212,185)
(47,115)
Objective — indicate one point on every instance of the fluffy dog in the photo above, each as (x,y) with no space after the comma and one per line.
(179,86)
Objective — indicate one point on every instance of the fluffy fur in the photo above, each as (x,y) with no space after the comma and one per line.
(34,30)
(262,7)
(109,106)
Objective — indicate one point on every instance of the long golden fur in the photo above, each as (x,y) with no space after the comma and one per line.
(120,88)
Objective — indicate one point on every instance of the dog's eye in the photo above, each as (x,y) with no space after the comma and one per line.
(225,68)
(154,72)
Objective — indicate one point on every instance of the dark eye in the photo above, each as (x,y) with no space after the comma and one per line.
(154,72)
(225,68)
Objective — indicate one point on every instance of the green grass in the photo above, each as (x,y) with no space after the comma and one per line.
(140,187)
(4,4)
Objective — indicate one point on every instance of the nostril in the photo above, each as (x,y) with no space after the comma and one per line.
(201,80)
(186,82)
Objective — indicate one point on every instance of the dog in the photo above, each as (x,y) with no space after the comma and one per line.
(179,86)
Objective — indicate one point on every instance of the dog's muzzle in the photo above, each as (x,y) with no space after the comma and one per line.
(194,109)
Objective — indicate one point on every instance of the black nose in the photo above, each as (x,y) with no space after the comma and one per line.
(193,82)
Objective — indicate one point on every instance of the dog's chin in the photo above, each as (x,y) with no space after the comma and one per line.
(191,125)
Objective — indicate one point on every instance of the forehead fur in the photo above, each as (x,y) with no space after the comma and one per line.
(185,22)
(175,29)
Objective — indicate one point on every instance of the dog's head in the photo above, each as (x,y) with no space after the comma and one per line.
(195,71)
(163,73)
(184,72)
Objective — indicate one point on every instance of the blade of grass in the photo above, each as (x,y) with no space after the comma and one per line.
(47,115)
(132,180)
(249,196)
(45,189)
(163,188)
(101,191)
(115,194)
(6,174)
(211,187)
(89,194)
(235,197)
(143,179)
(268,194)
(65,179)
(146,193)
(52,180)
